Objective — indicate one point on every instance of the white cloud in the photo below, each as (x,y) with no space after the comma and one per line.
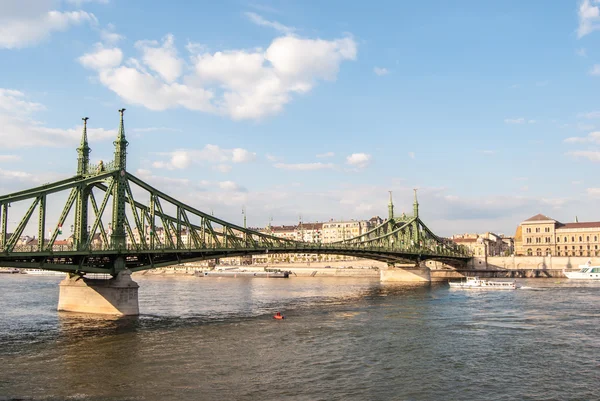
(595,71)
(20,129)
(223,168)
(589,115)
(360,160)
(304,166)
(273,159)
(162,59)
(183,158)
(23,25)
(411,155)
(585,127)
(242,84)
(326,154)
(242,156)
(18,175)
(520,120)
(592,137)
(258,20)
(102,58)
(109,35)
(585,154)
(581,52)
(380,71)
(589,17)
(594,192)
(231,186)
(9,158)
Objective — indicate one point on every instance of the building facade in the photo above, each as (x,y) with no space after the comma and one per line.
(487,244)
(543,236)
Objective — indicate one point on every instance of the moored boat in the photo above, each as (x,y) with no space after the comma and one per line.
(585,272)
(477,283)
(238,273)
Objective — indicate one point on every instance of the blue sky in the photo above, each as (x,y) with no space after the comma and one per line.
(315,108)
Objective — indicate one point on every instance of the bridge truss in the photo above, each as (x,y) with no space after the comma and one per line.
(121,222)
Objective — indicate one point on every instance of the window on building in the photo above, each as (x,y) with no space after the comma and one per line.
(548,239)
(565,239)
(580,238)
(538,252)
(548,252)
(547,229)
(537,240)
(558,248)
(529,240)
(573,247)
(529,252)
(528,230)
(588,247)
(587,238)
(572,239)
(580,247)
(557,239)
(537,229)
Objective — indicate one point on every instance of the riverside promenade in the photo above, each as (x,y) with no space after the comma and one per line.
(501,267)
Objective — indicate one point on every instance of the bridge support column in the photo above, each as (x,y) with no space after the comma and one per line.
(406,273)
(115,296)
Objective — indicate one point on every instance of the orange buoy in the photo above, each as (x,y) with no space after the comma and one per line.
(278,316)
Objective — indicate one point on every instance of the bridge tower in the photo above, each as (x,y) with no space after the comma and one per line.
(416,234)
(390,207)
(80,233)
(416,205)
(118,212)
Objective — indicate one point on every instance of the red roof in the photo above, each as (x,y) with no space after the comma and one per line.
(586,224)
(539,217)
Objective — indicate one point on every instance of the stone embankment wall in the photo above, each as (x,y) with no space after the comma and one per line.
(532,262)
(355,268)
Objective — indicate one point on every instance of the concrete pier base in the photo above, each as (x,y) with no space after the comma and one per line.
(116,296)
(405,274)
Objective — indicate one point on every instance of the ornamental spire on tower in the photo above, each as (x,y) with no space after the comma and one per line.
(416,205)
(390,207)
(121,146)
(83,151)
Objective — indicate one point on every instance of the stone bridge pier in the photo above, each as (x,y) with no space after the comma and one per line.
(405,273)
(115,296)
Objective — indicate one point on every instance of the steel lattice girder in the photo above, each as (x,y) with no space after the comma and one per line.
(392,241)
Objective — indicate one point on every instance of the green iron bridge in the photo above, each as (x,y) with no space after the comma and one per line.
(145,228)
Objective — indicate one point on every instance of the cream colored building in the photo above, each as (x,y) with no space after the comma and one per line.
(334,231)
(487,244)
(542,236)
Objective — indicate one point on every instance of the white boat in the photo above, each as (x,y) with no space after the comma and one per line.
(42,272)
(477,283)
(585,272)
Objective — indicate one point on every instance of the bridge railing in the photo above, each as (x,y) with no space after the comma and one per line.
(295,247)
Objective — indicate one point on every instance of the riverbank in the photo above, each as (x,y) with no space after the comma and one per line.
(355,268)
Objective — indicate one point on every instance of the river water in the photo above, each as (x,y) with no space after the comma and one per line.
(342,339)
